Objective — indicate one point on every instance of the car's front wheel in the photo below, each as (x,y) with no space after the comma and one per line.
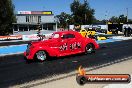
(89,49)
(41,56)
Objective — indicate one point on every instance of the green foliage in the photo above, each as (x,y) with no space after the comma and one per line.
(114,19)
(130,21)
(7,16)
(120,19)
(123,19)
(64,20)
(82,13)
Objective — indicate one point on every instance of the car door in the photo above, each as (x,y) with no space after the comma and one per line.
(69,44)
(73,44)
(63,45)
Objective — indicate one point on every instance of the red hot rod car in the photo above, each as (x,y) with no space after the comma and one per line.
(60,44)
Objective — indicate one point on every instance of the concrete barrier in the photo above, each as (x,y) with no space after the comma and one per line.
(34,36)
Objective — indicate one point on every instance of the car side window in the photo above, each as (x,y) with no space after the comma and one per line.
(66,36)
(71,36)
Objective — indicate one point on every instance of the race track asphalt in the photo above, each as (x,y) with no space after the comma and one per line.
(14,69)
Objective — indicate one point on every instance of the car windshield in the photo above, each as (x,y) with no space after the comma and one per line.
(55,36)
(83,30)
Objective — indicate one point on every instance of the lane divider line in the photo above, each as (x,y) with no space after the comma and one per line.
(12,46)
(2,55)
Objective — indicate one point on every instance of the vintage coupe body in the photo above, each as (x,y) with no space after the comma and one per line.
(60,44)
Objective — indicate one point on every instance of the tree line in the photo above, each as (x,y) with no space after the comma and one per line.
(81,14)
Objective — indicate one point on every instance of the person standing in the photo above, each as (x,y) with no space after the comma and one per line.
(125,30)
(129,31)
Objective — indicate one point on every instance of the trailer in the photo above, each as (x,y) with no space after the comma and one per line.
(115,27)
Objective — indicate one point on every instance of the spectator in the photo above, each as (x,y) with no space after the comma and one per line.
(129,31)
(125,31)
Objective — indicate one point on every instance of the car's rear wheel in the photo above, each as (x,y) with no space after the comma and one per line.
(41,56)
(89,49)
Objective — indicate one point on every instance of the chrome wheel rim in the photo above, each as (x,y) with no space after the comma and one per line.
(89,48)
(41,55)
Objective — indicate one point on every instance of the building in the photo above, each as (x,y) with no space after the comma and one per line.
(28,20)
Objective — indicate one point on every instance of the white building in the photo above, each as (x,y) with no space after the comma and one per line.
(28,20)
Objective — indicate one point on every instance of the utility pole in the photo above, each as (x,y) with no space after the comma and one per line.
(127,14)
(38,30)
(106,15)
(85,1)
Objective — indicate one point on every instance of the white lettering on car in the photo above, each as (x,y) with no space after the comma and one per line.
(63,47)
(75,45)
(72,46)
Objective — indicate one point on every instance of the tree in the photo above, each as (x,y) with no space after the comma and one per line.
(7,16)
(82,13)
(95,21)
(130,21)
(114,19)
(120,19)
(64,20)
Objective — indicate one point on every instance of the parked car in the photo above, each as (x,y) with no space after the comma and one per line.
(61,43)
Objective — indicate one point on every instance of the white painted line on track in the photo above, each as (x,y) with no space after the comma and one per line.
(14,41)
(2,55)
(12,46)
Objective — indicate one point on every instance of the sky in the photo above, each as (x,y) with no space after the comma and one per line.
(104,9)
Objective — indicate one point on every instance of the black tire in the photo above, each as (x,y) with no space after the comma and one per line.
(41,56)
(81,80)
(89,49)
